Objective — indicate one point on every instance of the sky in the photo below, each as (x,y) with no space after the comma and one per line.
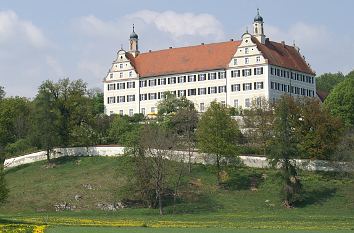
(77,39)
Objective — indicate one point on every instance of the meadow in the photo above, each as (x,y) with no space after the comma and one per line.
(327,204)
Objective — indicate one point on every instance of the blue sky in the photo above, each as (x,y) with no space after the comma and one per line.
(42,39)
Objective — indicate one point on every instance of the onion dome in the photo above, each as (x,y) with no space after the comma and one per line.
(133,35)
(258,17)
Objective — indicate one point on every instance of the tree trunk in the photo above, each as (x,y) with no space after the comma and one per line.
(160,203)
(218,169)
(48,155)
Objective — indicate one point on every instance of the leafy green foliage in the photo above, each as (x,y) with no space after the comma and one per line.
(218,134)
(3,188)
(318,131)
(284,149)
(2,92)
(341,100)
(326,82)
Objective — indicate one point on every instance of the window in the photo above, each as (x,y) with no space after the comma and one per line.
(152,96)
(236,103)
(143,83)
(246,51)
(192,92)
(271,70)
(130,73)
(131,112)
(143,111)
(121,66)
(247,86)
(258,59)
(212,76)
(235,87)
(222,89)
(201,107)
(192,78)
(120,86)
(258,85)
(143,97)
(162,81)
(181,93)
(222,75)
(223,103)
(235,61)
(201,77)
(152,82)
(212,90)
(258,71)
(201,91)
(235,73)
(130,85)
(111,75)
(130,98)
(247,103)
(121,112)
(121,99)
(111,86)
(111,100)
(181,79)
(153,109)
(121,75)
(246,72)
(172,80)
(247,60)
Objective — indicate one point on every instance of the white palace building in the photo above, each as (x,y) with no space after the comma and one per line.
(235,73)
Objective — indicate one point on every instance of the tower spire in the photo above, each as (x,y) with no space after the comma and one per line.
(258,30)
(133,43)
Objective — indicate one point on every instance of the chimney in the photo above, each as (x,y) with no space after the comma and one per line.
(231,39)
(202,43)
(149,50)
(170,47)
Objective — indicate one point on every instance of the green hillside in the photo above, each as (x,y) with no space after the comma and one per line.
(328,201)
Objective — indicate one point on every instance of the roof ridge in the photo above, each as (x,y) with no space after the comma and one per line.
(191,46)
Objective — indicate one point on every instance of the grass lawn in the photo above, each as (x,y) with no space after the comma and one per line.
(327,204)
(178,230)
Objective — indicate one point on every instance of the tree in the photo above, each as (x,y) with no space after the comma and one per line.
(2,93)
(69,99)
(218,134)
(14,119)
(258,121)
(283,148)
(317,130)
(326,82)
(46,123)
(152,152)
(171,104)
(341,100)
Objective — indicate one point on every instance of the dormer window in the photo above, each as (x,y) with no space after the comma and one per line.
(120,75)
(111,75)
(121,66)
(130,73)
(235,61)
(246,50)
(258,58)
(247,60)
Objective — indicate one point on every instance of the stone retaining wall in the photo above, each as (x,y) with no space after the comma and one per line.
(250,161)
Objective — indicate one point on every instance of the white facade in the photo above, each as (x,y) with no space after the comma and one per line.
(247,78)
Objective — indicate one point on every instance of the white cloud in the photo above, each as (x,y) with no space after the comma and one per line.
(15,30)
(182,24)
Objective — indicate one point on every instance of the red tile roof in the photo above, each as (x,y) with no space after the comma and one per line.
(282,55)
(212,57)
